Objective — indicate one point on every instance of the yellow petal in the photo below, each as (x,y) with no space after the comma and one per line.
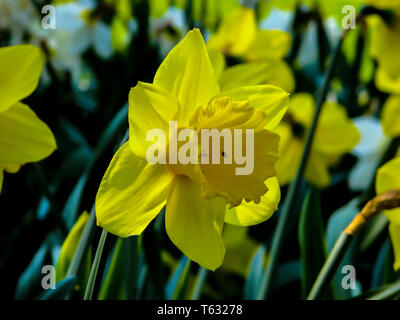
(290,152)
(150,107)
(385,43)
(20,72)
(250,213)
(245,74)
(282,76)
(388,178)
(391,117)
(23,136)
(70,245)
(131,193)
(336,133)
(187,73)
(302,108)
(240,248)
(387,83)
(1,178)
(194,224)
(317,172)
(269,45)
(218,61)
(236,32)
(271,100)
(394,231)
(12,167)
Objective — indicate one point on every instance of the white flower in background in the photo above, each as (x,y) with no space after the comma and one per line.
(19,17)
(174,18)
(369,151)
(76,31)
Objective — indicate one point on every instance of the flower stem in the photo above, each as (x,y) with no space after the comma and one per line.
(290,203)
(385,201)
(331,265)
(95,267)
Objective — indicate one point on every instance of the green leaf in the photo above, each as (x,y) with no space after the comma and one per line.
(120,277)
(199,283)
(152,252)
(254,277)
(287,273)
(30,280)
(177,283)
(311,240)
(63,290)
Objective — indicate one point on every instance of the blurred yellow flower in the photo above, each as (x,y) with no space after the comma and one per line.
(186,90)
(240,249)
(336,134)
(385,48)
(388,178)
(262,52)
(23,136)
(390,118)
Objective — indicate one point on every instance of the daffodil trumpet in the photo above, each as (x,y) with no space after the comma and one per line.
(196,151)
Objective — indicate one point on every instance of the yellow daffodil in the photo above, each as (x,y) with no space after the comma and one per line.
(335,135)
(23,136)
(385,48)
(185,90)
(390,118)
(388,178)
(261,50)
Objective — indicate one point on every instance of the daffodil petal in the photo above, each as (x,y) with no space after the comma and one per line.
(245,74)
(23,136)
(394,231)
(387,83)
(282,76)
(388,178)
(270,99)
(336,132)
(20,67)
(290,151)
(390,117)
(150,107)
(269,45)
(317,172)
(218,61)
(131,193)
(250,213)
(1,178)
(236,32)
(187,73)
(194,224)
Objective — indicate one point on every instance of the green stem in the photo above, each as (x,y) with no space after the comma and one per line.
(290,203)
(330,267)
(95,267)
(391,292)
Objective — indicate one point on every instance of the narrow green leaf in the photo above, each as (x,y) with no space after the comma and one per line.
(311,240)
(31,278)
(199,283)
(114,283)
(63,290)
(254,277)
(177,283)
